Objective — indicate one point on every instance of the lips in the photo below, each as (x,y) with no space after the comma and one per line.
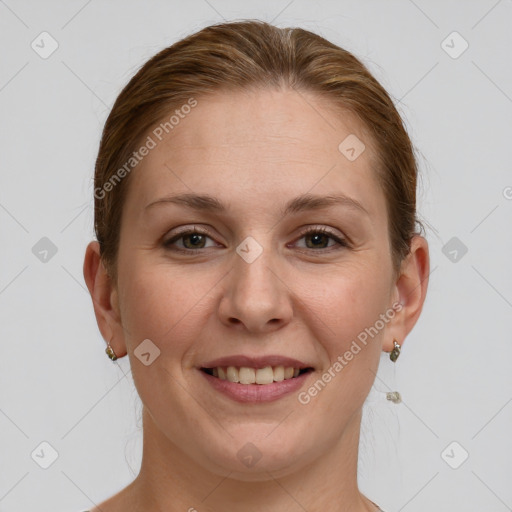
(254,393)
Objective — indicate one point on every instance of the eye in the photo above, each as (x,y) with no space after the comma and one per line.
(319,236)
(191,239)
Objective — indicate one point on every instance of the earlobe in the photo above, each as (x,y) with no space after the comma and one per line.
(104,298)
(410,291)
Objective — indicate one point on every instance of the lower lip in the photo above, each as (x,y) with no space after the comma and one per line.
(255,393)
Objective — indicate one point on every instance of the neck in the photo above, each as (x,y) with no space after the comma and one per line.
(170,480)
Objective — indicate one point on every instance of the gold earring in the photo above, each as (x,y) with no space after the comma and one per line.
(110,352)
(395,352)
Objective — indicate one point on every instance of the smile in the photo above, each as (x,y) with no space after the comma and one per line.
(262,376)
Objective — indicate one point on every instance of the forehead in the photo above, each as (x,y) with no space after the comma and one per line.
(269,142)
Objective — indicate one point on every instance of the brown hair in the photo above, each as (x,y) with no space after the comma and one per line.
(253,54)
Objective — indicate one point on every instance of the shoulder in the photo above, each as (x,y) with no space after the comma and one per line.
(123,501)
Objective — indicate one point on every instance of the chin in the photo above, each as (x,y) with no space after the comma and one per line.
(253,453)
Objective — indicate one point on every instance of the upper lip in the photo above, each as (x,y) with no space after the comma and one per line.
(256,362)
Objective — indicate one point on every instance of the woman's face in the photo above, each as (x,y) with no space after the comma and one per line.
(249,283)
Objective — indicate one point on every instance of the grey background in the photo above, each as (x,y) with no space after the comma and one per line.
(56,383)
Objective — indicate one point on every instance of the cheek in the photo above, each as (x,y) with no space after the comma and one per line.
(345,302)
(339,310)
(163,304)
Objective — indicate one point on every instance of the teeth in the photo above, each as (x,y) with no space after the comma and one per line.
(232,374)
(265,375)
(278,373)
(245,375)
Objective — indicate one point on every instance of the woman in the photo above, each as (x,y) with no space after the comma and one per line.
(255,210)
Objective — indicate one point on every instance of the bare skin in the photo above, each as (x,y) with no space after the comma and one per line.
(254,152)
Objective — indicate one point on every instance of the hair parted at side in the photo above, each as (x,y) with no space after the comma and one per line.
(238,55)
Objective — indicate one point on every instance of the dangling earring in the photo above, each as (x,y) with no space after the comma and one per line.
(394,396)
(110,352)
(393,355)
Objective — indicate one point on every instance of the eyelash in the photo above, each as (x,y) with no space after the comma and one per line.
(340,241)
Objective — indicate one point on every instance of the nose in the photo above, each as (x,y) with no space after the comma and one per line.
(256,298)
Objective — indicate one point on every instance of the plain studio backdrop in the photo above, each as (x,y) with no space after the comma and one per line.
(69,418)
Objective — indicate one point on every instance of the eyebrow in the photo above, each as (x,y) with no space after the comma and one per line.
(304,202)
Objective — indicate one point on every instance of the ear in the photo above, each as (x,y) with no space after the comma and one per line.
(409,290)
(104,298)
